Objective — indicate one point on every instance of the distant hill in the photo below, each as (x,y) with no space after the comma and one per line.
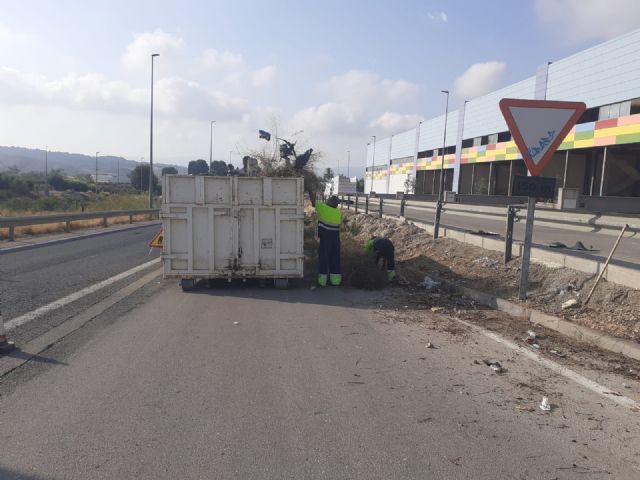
(28,159)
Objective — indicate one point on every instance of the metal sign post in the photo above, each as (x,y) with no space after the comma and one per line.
(526,253)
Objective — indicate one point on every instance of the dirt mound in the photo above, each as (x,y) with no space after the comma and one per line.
(612,309)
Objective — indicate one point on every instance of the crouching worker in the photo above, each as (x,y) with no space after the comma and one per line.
(329,218)
(383,249)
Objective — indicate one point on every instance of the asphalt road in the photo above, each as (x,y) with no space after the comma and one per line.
(249,383)
(626,254)
(33,277)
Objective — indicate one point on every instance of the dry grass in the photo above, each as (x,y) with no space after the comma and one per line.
(77,225)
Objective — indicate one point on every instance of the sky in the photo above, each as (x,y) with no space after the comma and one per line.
(75,75)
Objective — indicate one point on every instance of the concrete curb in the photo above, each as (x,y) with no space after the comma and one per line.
(569,329)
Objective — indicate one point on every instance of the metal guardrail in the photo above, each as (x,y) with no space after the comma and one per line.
(28,220)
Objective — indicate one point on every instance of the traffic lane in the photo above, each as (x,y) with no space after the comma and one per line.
(626,254)
(37,276)
(316,386)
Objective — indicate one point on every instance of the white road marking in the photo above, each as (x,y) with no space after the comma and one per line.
(38,312)
(556,368)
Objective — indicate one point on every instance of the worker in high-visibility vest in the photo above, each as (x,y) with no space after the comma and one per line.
(329,219)
(383,248)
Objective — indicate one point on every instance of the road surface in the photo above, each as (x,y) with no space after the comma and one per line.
(34,277)
(248,383)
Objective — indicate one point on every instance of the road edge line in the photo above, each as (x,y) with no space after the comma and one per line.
(61,302)
(566,372)
(39,344)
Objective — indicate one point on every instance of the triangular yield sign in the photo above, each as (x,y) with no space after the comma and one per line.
(539,126)
(156,241)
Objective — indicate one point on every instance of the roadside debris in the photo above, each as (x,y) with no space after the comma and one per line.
(429,345)
(428,283)
(236,323)
(437,309)
(525,408)
(494,365)
(545,405)
(570,303)
(558,353)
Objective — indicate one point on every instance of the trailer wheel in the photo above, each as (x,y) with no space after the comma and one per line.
(187,284)
(281,283)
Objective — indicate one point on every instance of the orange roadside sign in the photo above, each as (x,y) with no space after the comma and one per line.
(156,241)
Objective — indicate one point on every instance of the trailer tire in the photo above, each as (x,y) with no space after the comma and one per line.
(281,283)
(187,284)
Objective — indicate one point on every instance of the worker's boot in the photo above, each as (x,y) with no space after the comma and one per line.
(322,280)
(335,279)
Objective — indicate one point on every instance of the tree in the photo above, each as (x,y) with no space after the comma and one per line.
(218,168)
(328,175)
(169,171)
(199,167)
(140,178)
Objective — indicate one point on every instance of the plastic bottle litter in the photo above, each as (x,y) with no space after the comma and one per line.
(545,405)
(570,303)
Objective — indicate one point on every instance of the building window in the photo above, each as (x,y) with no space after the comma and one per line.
(484,140)
(467,143)
(589,115)
(493,138)
(634,107)
(504,137)
(476,141)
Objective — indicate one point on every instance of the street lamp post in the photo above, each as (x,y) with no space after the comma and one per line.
(373,164)
(46,170)
(436,223)
(153,55)
(348,162)
(97,171)
(211,148)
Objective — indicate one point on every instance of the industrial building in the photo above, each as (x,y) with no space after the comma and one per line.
(600,157)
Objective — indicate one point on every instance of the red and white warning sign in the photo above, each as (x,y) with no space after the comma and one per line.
(539,126)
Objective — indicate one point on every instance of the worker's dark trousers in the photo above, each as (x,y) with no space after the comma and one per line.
(329,252)
(387,251)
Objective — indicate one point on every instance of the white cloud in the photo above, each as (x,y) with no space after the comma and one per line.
(93,91)
(360,89)
(327,118)
(438,17)
(221,60)
(177,96)
(580,20)
(392,122)
(264,75)
(479,78)
(138,53)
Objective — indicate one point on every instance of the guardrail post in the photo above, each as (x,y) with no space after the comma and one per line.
(381,206)
(67,226)
(130,218)
(12,234)
(366,205)
(104,222)
(356,203)
(402,205)
(508,237)
(348,202)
